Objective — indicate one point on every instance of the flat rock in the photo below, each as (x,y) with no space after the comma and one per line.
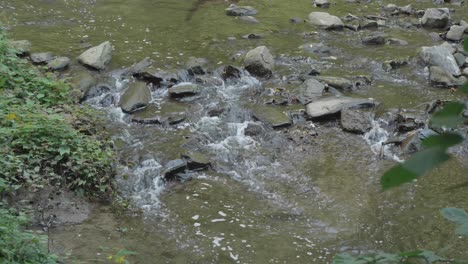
(332,105)
(139,67)
(339,83)
(374,39)
(97,57)
(455,33)
(41,57)
(235,10)
(137,96)
(271,115)
(325,20)
(322,3)
(356,121)
(174,167)
(184,89)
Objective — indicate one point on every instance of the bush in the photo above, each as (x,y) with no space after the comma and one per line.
(41,142)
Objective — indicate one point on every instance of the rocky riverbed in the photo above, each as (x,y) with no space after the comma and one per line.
(257,131)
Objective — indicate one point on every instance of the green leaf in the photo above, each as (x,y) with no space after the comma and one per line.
(449,115)
(64,150)
(464,88)
(444,140)
(456,215)
(414,167)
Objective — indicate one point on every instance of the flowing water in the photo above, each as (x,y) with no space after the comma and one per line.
(270,198)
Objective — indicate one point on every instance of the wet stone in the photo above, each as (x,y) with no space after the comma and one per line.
(230,72)
(41,57)
(174,167)
(184,89)
(356,121)
(58,64)
(375,39)
(332,105)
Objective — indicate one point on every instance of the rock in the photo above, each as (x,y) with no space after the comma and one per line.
(464,24)
(440,56)
(259,62)
(139,67)
(97,90)
(272,115)
(310,90)
(436,18)
(325,20)
(194,62)
(395,41)
(413,141)
(197,161)
(322,3)
(230,72)
(107,101)
(252,36)
(41,57)
(455,33)
(137,96)
(336,82)
(174,167)
(97,57)
(235,10)
(83,81)
(394,64)
(253,129)
(147,120)
(184,89)
(58,64)
(460,58)
(197,70)
(332,105)
(158,77)
(407,9)
(249,19)
(440,77)
(374,39)
(390,8)
(21,47)
(465,72)
(368,24)
(435,36)
(355,120)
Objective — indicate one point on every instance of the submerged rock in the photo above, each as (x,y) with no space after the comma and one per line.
(21,47)
(137,96)
(58,64)
(41,57)
(97,57)
(440,56)
(436,18)
(325,20)
(332,105)
(259,62)
(184,89)
(235,10)
(355,120)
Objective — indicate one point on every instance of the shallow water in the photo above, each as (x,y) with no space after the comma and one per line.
(267,200)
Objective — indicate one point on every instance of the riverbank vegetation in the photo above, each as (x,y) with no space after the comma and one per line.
(45,140)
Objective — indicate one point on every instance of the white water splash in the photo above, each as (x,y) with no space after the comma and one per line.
(376,138)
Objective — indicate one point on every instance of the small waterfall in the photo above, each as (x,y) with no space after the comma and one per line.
(377,137)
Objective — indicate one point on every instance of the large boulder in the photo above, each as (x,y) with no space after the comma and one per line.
(97,57)
(310,90)
(135,97)
(436,18)
(332,105)
(235,10)
(325,20)
(259,62)
(440,56)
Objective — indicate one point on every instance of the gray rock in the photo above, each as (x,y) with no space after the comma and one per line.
(252,36)
(464,24)
(394,64)
(58,64)
(355,120)
(249,19)
(332,105)
(184,89)
(253,129)
(272,115)
(436,18)
(435,36)
(83,81)
(21,47)
(197,161)
(465,72)
(339,83)
(374,39)
(460,58)
(395,41)
(455,33)
(439,77)
(41,57)
(97,90)
(325,20)
(407,9)
(235,10)
(259,62)
(368,24)
(413,141)
(322,3)
(139,67)
(174,167)
(440,56)
(137,96)
(230,72)
(310,90)
(97,57)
